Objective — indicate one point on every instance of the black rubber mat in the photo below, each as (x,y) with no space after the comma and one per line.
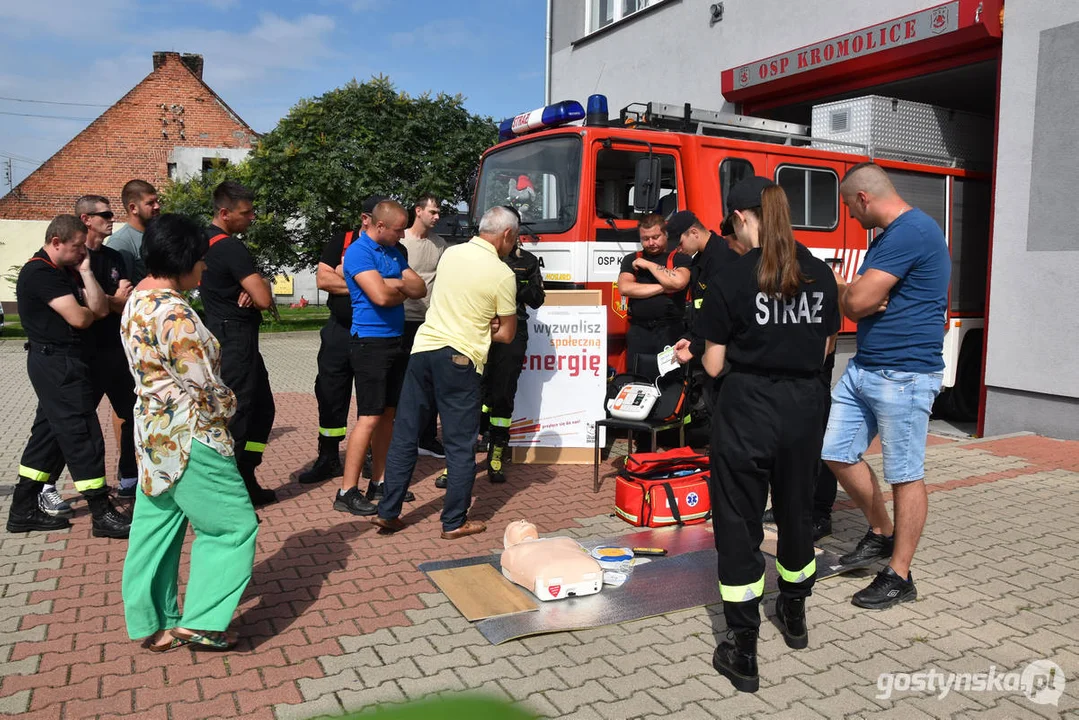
(683,579)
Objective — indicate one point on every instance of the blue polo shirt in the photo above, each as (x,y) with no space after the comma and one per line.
(909,334)
(368,319)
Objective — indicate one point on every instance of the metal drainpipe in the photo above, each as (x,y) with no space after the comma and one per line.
(547,56)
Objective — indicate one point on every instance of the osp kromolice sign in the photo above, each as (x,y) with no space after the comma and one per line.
(905,30)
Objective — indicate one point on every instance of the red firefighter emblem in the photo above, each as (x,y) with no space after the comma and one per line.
(938,21)
(743,76)
(618,303)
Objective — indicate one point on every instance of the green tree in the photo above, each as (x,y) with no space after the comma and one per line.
(311,173)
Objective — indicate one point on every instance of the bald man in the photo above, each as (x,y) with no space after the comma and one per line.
(379,281)
(899,300)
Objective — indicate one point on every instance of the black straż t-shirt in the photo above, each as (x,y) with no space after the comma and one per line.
(668,306)
(39,283)
(109,269)
(706,264)
(228,261)
(770,333)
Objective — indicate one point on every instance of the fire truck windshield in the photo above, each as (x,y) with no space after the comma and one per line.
(540,177)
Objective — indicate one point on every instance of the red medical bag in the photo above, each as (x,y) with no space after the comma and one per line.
(666,488)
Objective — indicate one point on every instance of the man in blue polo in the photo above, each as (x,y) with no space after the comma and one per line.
(900,301)
(379,281)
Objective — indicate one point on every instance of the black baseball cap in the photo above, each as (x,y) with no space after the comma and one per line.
(747,193)
(370,203)
(679,222)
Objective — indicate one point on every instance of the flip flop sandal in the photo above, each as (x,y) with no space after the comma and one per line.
(210,639)
(173,643)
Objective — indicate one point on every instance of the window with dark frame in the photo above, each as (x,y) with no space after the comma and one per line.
(731,171)
(813,194)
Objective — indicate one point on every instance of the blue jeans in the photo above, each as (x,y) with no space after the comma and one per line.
(893,402)
(446,382)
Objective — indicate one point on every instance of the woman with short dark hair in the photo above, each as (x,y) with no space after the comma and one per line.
(187,471)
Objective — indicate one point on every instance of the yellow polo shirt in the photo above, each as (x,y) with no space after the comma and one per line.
(474,286)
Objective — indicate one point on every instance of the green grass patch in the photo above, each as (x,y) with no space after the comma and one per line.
(312,317)
(12,327)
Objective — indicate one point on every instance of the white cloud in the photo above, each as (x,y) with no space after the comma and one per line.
(233,58)
(443,34)
(68,18)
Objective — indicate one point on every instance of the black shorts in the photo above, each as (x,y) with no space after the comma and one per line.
(378,365)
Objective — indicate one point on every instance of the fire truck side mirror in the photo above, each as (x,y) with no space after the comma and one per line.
(646,185)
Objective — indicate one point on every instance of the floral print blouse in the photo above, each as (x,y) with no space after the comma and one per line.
(180,396)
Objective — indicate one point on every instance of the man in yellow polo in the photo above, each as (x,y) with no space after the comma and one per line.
(474,303)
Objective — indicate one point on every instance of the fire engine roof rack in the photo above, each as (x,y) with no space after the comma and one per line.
(686,118)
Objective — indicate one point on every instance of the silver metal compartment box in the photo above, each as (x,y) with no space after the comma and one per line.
(904,130)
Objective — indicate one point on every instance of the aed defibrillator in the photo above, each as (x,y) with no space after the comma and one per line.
(633,402)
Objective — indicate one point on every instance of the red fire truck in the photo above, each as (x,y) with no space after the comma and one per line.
(581,188)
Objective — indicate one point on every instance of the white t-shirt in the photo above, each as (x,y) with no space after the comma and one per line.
(423,257)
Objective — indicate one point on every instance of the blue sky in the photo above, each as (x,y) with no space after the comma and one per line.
(260,57)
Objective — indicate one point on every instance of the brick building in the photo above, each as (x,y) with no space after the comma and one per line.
(170,125)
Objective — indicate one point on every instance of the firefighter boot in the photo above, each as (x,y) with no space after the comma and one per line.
(496,460)
(327,465)
(24,515)
(737,661)
(791,616)
(106,521)
(259,495)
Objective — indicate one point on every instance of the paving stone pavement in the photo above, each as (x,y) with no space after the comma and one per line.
(338,617)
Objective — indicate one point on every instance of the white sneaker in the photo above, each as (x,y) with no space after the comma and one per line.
(50,503)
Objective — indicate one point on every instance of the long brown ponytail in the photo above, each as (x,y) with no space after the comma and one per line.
(778,271)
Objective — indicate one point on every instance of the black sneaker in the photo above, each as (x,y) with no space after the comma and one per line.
(791,617)
(325,467)
(353,502)
(35,520)
(375,491)
(822,527)
(870,548)
(111,524)
(432,448)
(886,590)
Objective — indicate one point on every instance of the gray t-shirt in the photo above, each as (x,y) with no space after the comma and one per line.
(128,242)
(423,257)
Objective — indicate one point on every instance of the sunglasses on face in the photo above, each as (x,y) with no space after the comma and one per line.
(104,214)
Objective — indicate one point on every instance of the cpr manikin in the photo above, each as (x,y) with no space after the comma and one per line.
(552,568)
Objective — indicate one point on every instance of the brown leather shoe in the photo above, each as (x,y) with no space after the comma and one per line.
(390,525)
(471,527)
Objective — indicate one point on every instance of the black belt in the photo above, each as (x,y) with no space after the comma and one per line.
(49,349)
(776,373)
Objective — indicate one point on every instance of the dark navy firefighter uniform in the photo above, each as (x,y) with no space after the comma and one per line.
(333,384)
(104,354)
(767,427)
(505,361)
(654,322)
(228,262)
(65,428)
